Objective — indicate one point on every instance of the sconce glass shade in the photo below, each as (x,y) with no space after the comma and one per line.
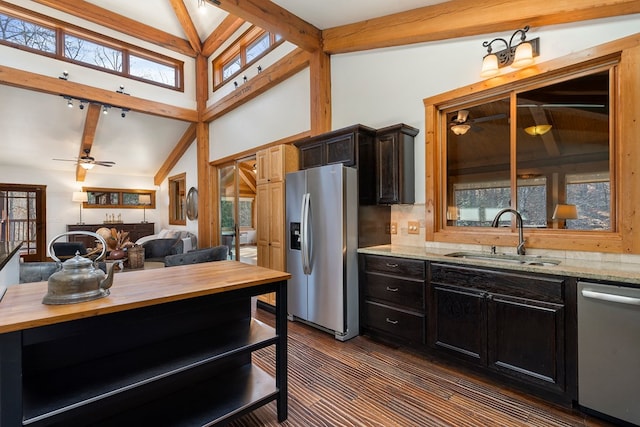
(565,212)
(537,130)
(87,166)
(460,129)
(79,196)
(489,66)
(523,56)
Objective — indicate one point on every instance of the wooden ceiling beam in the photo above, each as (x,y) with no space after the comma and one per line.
(187,24)
(463,18)
(176,154)
(273,18)
(56,86)
(281,70)
(224,31)
(88,135)
(104,17)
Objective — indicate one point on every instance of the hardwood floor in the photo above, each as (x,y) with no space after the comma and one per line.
(365,383)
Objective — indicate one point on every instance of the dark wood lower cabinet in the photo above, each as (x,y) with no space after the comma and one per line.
(519,328)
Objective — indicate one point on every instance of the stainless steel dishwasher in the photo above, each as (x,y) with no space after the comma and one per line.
(609,350)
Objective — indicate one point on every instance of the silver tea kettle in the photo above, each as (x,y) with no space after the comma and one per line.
(78,280)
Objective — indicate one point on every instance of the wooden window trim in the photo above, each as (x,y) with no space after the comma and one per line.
(173,220)
(239,47)
(62,28)
(625,158)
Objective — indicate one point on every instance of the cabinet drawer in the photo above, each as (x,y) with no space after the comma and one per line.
(539,287)
(408,268)
(399,324)
(395,291)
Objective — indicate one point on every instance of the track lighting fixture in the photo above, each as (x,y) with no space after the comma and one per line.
(518,56)
(121,90)
(259,69)
(64,76)
(235,84)
(82,103)
(244,79)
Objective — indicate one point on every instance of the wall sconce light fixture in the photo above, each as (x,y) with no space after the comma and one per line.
(64,76)
(518,56)
(537,130)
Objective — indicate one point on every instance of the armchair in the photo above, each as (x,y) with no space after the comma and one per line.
(157,249)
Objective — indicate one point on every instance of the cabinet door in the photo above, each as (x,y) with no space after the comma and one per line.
(276,226)
(311,155)
(457,322)
(526,340)
(262,167)
(388,168)
(341,149)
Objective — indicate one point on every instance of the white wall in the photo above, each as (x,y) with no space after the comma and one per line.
(387,86)
(62,211)
(188,164)
(281,112)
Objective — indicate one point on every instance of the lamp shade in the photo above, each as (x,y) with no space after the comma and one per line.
(489,66)
(565,212)
(537,130)
(523,56)
(144,199)
(79,196)
(460,129)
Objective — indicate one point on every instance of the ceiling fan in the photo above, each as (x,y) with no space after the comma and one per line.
(88,162)
(462,123)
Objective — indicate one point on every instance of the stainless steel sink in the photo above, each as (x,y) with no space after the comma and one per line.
(509,259)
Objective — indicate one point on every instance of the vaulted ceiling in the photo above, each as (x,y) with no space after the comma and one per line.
(140,143)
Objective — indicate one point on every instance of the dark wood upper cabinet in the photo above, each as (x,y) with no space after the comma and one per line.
(395,170)
(383,157)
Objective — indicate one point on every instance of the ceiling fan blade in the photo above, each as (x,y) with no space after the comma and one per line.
(105,163)
(66,160)
(488,118)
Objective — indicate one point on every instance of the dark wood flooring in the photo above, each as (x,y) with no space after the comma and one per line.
(362,382)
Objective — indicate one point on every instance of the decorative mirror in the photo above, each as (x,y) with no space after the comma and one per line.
(192,204)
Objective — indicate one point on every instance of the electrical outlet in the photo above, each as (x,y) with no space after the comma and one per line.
(414,227)
(393,229)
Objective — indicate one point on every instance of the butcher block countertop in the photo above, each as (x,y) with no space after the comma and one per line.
(22,308)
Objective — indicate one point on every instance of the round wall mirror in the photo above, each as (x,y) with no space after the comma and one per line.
(192,204)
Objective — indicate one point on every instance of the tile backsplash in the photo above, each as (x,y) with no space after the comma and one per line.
(402,215)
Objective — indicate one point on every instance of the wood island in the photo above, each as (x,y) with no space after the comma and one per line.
(168,347)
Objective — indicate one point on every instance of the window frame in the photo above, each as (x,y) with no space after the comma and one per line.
(239,47)
(61,28)
(621,151)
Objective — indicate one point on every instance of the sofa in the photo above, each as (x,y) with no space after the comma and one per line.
(40,271)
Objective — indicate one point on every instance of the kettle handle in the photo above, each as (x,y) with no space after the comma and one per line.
(89,233)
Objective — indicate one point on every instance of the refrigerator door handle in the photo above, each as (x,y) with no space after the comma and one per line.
(304,233)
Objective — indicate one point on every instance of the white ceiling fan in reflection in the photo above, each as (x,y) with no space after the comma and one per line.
(462,123)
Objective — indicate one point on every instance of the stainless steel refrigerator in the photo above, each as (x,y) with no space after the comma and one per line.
(322,241)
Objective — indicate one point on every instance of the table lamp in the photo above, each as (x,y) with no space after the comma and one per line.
(144,200)
(80,197)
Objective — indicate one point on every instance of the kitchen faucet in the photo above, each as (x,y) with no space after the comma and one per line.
(520,247)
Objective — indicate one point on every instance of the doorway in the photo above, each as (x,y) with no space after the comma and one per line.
(237,207)
(23,218)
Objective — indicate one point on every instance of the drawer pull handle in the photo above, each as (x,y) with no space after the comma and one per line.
(393,322)
(392,265)
(392,289)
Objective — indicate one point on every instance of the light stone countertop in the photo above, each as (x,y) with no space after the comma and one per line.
(582,269)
